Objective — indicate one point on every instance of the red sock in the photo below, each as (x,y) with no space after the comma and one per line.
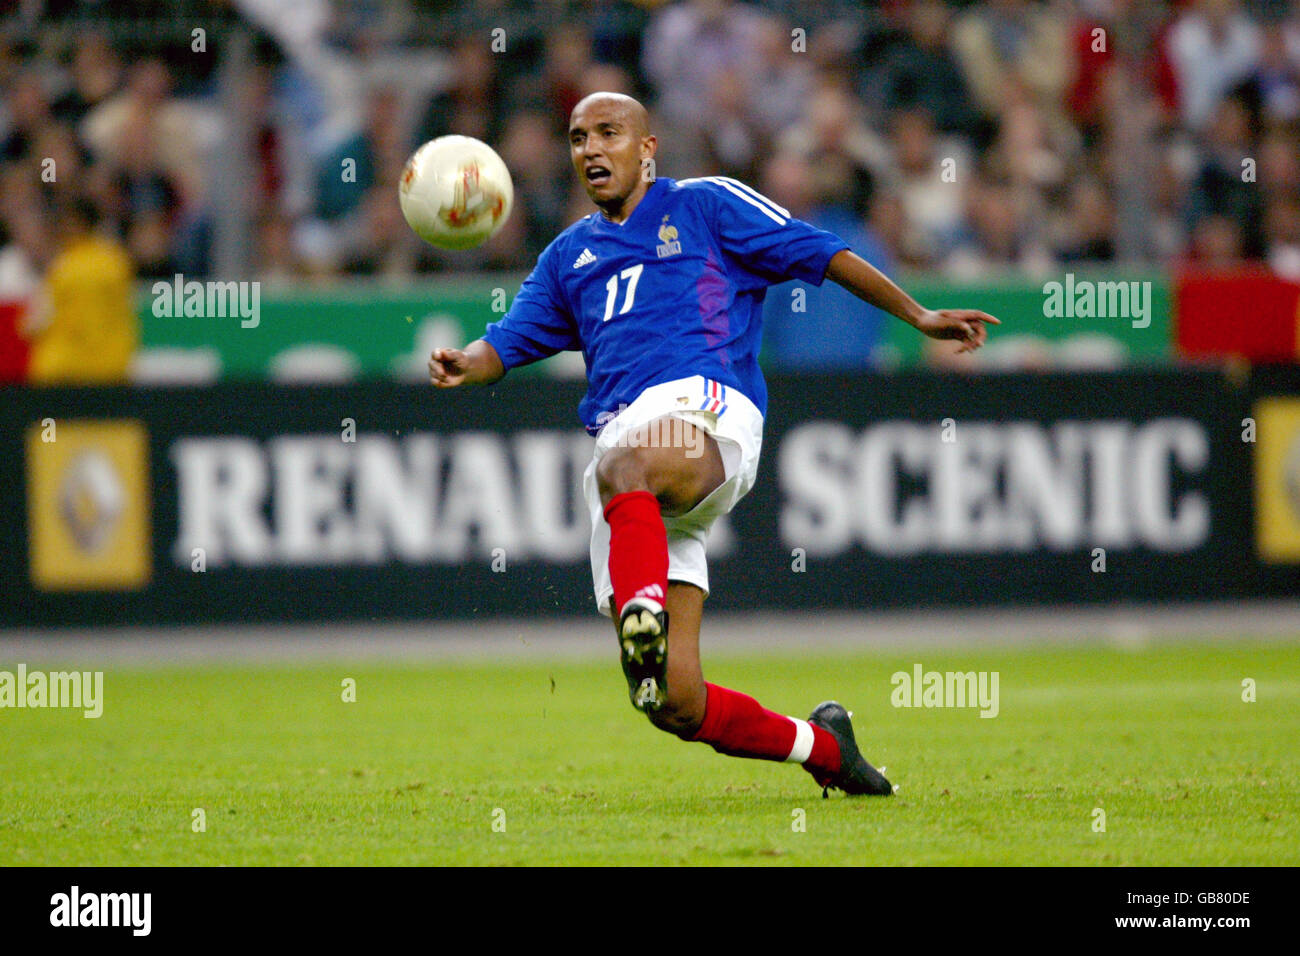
(825,757)
(737,725)
(638,548)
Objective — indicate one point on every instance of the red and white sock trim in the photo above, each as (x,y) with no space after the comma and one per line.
(803,742)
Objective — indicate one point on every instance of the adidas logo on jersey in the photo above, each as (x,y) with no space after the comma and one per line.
(586,259)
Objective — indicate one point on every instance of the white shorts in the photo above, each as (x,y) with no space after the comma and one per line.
(735,424)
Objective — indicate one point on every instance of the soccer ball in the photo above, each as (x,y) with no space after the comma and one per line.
(455,192)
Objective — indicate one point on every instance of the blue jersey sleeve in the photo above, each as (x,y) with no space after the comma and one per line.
(764,237)
(539,324)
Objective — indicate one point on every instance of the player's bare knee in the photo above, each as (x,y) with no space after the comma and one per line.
(620,470)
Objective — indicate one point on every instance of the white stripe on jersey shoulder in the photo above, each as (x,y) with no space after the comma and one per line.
(752,192)
(747,193)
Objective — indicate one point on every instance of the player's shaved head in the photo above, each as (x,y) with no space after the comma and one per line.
(612,150)
(615,105)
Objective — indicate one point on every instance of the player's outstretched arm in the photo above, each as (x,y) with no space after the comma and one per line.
(475,364)
(871,285)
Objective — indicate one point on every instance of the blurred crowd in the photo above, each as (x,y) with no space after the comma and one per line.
(961,138)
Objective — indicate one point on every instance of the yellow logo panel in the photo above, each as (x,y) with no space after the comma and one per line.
(1277,480)
(88,505)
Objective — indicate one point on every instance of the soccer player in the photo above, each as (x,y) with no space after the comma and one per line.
(662,290)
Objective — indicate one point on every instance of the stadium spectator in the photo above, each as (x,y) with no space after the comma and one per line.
(929,177)
(687,47)
(1089,233)
(386,138)
(271,158)
(920,72)
(1217,243)
(888,220)
(1213,46)
(145,120)
(472,103)
(24,217)
(1162,224)
(28,117)
(730,140)
(89,330)
(748,104)
(20,259)
(323,87)
(1031,153)
(1220,187)
(542,186)
(835,139)
(1014,42)
(277,257)
(1127,150)
(1277,75)
(61,161)
(607,76)
(149,198)
(1279,163)
(1282,235)
(998,240)
(616,32)
(383,248)
(1117,35)
(565,60)
(95,75)
(11,63)
(781,83)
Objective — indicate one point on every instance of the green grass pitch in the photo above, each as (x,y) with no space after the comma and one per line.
(546,763)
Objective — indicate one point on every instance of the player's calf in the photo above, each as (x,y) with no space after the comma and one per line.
(682,710)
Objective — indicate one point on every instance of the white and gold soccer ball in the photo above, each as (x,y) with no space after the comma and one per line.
(456,192)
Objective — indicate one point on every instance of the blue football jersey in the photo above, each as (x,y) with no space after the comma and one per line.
(675,290)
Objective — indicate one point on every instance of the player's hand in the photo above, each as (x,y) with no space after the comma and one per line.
(448,367)
(968,326)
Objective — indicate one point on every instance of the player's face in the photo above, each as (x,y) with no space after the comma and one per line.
(607,153)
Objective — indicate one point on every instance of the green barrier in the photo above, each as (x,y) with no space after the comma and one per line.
(1067,315)
(385,331)
(370,331)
